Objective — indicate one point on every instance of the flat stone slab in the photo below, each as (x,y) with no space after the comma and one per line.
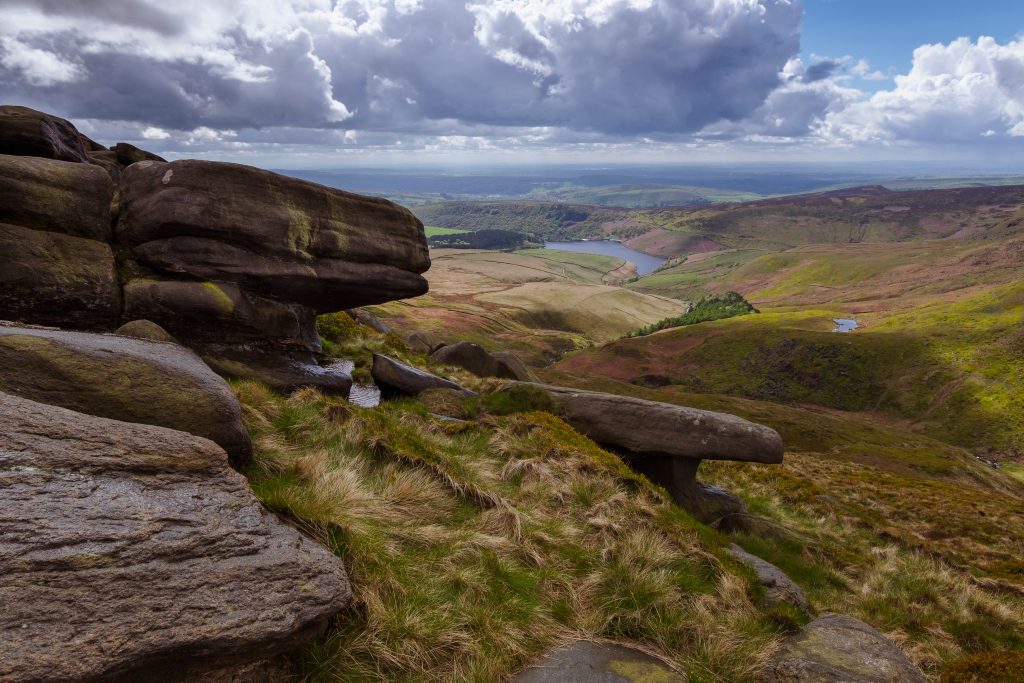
(645,427)
(133,552)
(836,648)
(779,589)
(588,662)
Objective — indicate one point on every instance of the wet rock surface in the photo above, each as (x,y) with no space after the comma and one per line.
(589,662)
(835,648)
(133,552)
(122,378)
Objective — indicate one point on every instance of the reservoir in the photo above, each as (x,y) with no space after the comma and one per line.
(645,263)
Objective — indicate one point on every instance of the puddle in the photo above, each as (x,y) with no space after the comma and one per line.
(365,395)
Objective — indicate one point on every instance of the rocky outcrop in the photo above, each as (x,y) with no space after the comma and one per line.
(779,589)
(477,360)
(585,661)
(364,317)
(398,378)
(284,238)
(122,378)
(421,342)
(836,648)
(671,443)
(133,552)
(233,261)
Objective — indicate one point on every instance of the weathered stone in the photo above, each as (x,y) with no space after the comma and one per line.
(107,160)
(52,279)
(27,132)
(511,365)
(129,154)
(280,369)
(198,312)
(133,380)
(588,662)
(56,196)
(421,342)
(133,552)
(391,375)
(835,648)
(707,503)
(779,589)
(284,238)
(145,329)
(474,358)
(364,317)
(668,429)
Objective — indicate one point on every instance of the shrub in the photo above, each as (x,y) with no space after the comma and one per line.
(986,667)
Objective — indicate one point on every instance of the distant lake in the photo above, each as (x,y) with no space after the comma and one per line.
(844,324)
(645,263)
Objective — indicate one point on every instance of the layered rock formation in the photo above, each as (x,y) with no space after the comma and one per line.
(233,261)
(398,378)
(664,441)
(133,552)
(122,378)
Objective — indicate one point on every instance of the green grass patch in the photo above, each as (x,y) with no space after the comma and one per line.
(435,230)
(708,308)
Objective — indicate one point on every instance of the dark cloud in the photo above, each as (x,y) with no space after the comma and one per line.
(820,71)
(122,12)
(613,67)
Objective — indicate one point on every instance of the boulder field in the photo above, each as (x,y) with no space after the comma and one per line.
(233,261)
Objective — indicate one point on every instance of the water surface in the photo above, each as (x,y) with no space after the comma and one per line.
(844,324)
(645,263)
(365,395)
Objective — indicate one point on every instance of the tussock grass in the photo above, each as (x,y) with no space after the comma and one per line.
(475,548)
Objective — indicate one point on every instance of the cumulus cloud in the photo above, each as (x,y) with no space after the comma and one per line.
(954,93)
(612,66)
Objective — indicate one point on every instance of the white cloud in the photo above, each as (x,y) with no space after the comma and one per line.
(154,133)
(38,67)
(952,93)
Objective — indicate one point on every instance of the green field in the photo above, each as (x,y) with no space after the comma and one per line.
(434,231)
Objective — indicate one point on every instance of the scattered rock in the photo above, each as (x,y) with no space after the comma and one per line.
(509,364)
(392,376)
(129,154)
(835,648)
(364,317)
(421,342)
(588,662)
(53,279)
(121,378)
(145,329)
(779,589)
(474,358)
(134,552)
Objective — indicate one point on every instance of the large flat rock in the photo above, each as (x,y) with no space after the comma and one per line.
(652,428)
(122,378)
(285,238)
(132,552)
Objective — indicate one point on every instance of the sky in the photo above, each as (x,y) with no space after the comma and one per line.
(336,83)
